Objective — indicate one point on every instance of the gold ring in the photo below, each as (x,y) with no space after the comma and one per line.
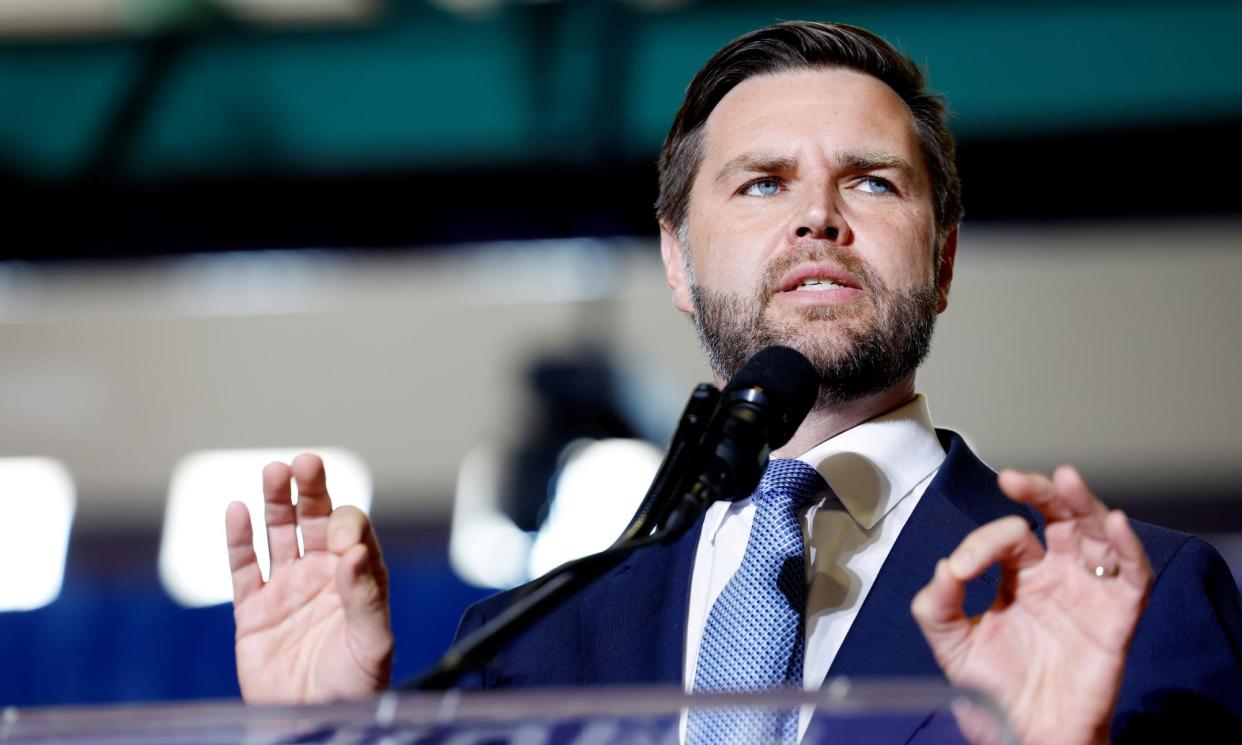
(1102,571)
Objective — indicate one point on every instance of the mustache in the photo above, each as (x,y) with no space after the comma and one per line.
(784,262)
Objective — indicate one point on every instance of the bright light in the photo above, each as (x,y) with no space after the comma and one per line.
(111,16)
(486,548)
(194,564)
(599,489)
(36,501)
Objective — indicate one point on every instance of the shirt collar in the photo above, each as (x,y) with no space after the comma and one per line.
(873,466)
(870,467)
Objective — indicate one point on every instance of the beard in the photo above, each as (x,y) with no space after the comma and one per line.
(856,353)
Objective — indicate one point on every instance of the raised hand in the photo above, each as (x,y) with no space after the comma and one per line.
(1052,648)
(318,629)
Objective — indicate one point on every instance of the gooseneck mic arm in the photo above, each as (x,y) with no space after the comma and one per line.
(713,456)
(671,475)
(759,411)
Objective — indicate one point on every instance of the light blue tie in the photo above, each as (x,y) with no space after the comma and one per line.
(754,634)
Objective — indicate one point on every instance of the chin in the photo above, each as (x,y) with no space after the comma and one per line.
(823,341)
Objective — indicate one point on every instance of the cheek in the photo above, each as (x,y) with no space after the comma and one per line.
(722,255)
(908,262)
(732,247)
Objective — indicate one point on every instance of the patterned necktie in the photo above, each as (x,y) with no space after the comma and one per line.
(754,634)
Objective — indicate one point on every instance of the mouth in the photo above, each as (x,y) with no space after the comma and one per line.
(818,278)
(820,283)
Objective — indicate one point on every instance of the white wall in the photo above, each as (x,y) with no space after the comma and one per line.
(1116,347)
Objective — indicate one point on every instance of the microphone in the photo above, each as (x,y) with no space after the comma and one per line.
(721,456)
(758,411)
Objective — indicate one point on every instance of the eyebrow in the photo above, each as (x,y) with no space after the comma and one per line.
(874,161)
(755,163)
(768,163)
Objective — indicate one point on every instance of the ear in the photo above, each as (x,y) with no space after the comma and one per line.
(675,269)
(944,270)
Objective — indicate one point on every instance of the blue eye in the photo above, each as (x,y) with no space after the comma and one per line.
(764,187)
(875,185)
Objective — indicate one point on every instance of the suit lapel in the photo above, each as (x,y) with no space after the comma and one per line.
(637,614)
(884,639)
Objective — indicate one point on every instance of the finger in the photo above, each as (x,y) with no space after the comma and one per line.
(1135,568)
(1008,540)
(314,505)
(1075,517)
(1075,493)
(1035,490)
(282,536)
(937,609)
(1088,539)
(244,565)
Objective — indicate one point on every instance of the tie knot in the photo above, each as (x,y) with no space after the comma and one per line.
(790,482)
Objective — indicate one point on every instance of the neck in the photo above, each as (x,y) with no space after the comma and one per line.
(828,421)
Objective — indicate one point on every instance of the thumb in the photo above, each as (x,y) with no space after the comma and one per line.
(361,581)
(937,609)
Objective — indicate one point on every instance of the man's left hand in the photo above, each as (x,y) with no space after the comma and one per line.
(1052,648)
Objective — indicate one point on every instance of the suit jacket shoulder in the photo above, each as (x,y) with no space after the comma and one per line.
(1183,679)
(1183,676)
(1185,663)
(627,628)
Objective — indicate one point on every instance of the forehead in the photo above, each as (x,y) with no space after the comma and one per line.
(829,110)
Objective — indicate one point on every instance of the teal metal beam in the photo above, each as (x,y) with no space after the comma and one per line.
(585,80)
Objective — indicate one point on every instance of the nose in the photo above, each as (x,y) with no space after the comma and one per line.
(819,218)
(830,233)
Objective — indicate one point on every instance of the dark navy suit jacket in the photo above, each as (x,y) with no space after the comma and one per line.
(1183,678)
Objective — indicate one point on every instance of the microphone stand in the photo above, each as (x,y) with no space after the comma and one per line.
(660,498)
(720,448)
(668,492)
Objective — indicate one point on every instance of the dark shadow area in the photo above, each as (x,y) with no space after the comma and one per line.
(1085,176)
(1179,716)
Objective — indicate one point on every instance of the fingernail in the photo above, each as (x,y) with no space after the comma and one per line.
(961,561)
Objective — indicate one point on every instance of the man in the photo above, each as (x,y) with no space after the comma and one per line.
(808,197)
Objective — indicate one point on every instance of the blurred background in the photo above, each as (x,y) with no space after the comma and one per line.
(417,236)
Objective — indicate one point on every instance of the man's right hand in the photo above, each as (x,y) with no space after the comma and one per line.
(318,629)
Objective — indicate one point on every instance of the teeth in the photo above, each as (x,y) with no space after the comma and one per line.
(815,284)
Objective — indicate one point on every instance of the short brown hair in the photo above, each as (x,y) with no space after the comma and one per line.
(797,45)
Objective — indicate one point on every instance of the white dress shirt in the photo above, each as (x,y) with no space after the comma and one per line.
(878,470)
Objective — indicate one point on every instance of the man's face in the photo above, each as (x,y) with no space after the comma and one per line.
(811,224)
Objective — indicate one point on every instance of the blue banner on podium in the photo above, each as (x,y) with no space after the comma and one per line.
(842,712)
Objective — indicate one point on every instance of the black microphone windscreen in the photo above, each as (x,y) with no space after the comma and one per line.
(788,379)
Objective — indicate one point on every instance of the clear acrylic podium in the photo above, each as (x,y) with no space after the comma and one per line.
(843,712)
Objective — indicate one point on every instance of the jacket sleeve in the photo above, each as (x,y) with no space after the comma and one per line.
(1183,679)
